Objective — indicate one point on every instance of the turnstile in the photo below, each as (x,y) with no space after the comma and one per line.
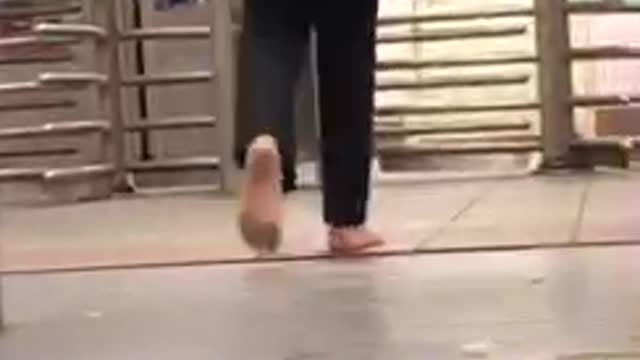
(155,103)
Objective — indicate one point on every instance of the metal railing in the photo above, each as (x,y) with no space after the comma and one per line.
(221,112)
(94,44)
(82,91)
(558,140)
(460,138)
(562,146)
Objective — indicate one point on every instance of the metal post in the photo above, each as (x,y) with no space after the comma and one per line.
(90,102)
(93,100)
(316,117)
(224,90)
(555,83)
(114,90)
(306,132)
(89,60)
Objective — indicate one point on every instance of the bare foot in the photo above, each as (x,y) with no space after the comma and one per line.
(352,240)
(260,216)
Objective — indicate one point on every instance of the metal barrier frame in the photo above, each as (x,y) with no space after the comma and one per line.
(391,148)
(555,85)
(560,145)
(223,58)
(100,35)
(91,102)
(553,62)
(220,76)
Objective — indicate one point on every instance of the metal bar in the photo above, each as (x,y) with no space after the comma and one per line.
(459,127)
(36,59)
(71,79)
(482,137)
(601,7)
(173,123)
(554,81)
(603,141)
(79,30)
(461,33)
(90,57)
(93,59)
(606,52)
(456,14)
(54,129)
(504,137)
(11,175)
(400,110)
(169,79)
(224,87)
(478,148)
(454,81)
(162,33)
(77,173)
(49,10)
(134,57)
(172,165)
(388,65)
(605,100)
(114,92)
(34,40)
(19,87)
(315,103)
(38,152)
(42,105)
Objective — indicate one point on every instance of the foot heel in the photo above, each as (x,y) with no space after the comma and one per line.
(259,235)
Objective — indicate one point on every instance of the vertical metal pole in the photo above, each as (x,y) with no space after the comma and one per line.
(555,83)
(114,89)
(93,99)
(224,89)
(88,59)
(305,111)
(101,18)
(315,83)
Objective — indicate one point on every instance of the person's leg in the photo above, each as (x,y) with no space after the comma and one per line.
(346,63)
(273,44)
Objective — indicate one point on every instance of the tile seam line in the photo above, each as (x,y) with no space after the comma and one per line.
(484,192)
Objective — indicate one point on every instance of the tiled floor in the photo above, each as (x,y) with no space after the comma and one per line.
(525,305)
(513,305)
(458,215)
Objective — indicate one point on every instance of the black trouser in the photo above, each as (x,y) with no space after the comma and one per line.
(275,41)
